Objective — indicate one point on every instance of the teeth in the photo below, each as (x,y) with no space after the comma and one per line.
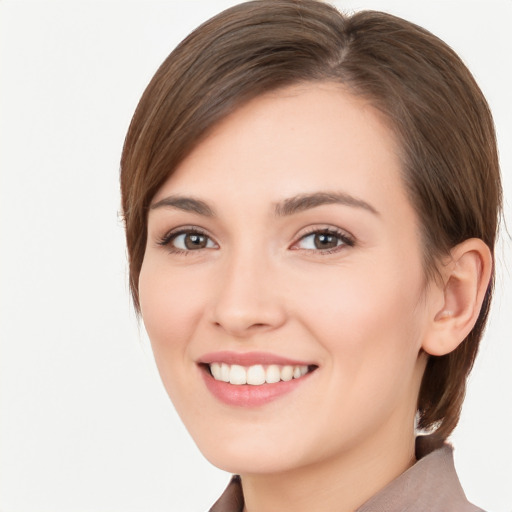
(256,375)
(287,373)
(237,375)
(220,371)
(273,374)
(224,372)
(215,369)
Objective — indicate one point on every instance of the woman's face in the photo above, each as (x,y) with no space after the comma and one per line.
(285,243)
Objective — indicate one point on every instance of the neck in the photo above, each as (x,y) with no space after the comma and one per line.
(340,484)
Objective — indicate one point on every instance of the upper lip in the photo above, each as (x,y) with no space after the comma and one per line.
(249,359)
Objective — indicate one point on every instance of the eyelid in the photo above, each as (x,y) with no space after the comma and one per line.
(347,239)
(172,234)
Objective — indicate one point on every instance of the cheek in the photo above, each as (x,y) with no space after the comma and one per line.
(171,304)
(369,318)
(370,330)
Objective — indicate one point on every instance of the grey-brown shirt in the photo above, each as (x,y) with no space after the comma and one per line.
(431,485)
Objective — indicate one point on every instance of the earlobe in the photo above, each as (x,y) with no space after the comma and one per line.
(464,285)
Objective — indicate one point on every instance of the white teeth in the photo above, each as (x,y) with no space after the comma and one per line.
(287,373)
(256,375)
(273,374)
(215,369)
(224,372)
(237,375)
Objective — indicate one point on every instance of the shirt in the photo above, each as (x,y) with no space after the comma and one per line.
(430,485)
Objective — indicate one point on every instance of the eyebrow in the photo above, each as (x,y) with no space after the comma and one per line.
(307,201)
(289,206)
(186,204)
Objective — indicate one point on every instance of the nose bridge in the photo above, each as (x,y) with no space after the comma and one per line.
(247,295)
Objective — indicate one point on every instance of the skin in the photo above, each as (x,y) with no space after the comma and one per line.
(361,312)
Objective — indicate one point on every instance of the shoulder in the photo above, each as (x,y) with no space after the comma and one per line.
(431,484)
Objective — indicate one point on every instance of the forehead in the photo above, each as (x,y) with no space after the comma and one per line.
(298,139)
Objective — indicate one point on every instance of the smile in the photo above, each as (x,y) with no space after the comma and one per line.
(252,379)
(257,374)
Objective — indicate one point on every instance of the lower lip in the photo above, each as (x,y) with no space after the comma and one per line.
(246,395)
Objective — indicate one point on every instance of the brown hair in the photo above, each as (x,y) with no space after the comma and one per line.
(431,101)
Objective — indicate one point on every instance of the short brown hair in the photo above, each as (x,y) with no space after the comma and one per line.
(430,99)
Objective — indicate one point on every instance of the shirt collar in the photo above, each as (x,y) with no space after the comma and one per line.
(430,484)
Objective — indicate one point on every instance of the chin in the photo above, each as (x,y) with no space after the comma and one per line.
(260,449)
(251,461)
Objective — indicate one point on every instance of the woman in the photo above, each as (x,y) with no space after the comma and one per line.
(311,205)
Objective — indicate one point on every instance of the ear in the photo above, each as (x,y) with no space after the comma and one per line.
(465,279)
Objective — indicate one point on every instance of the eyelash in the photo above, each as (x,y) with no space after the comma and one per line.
(166,240)
(346,239)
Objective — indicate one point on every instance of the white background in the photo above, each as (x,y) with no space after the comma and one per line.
(85,423)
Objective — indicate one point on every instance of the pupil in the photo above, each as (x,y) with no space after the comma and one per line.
(195,241)
(325,241)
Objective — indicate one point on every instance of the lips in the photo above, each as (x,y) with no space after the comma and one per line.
(252,379)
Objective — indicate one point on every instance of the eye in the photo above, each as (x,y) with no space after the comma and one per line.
(183,241)
(324,240)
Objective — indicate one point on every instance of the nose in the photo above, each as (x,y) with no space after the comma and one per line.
(248,299)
